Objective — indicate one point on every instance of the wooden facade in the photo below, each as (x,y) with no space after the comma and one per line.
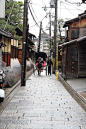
(75,28)
(74,58)
(30,45)
(6,51)
(82,59)
(74,51)
(13,47)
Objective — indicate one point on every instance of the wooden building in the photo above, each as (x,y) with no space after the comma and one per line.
(13,47)
(74,51)
(6,38)
(75,28)
(30,45)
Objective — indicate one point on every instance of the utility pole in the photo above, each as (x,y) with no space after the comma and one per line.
(24,44)
(39,36)
(50,32)
(55,39)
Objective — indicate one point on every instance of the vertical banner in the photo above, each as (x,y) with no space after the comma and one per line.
(2,8)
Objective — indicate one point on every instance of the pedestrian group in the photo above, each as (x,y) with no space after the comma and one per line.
(40,63)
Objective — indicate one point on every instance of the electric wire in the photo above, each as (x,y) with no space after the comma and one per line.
(33,17)
(73,6)
(69,10)
(35,4)
(44,2)
(34,12)
(77,3)
(72,2)
(41,19)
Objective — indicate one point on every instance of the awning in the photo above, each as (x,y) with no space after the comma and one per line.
(30,42)
(74,41)
(5,33)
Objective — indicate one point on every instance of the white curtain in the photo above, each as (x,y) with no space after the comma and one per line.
(2,8)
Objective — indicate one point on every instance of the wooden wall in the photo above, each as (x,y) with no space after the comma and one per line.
(78,26)
(82,59)
(72,61)
(64,62)
(20,55)
(6,58)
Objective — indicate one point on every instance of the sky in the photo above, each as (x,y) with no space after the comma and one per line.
(67,10)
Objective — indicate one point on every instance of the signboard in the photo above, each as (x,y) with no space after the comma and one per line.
(52,4)
(2,8)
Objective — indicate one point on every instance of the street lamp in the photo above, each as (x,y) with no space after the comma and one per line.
(2,44)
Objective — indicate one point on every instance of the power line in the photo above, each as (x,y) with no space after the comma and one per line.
(35,4)
(38,22)
(44,2)
(33,17)
(34,12)
(72,5)
(72,2)
(69,10)
(77,3)
(42,19)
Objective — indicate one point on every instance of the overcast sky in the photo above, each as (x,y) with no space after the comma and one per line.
(66,10)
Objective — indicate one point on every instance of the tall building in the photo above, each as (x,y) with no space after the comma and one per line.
(36,44)
(44,46)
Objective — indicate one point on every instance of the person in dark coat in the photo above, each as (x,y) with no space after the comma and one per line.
(39,66)
(49,63)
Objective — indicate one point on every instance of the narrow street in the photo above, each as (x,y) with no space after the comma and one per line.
(43,104)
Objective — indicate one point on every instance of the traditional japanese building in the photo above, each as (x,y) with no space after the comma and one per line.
(12,54)
(74,50)
(6,38)
(30,45)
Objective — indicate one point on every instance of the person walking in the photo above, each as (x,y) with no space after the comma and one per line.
(49,63)
(39,65)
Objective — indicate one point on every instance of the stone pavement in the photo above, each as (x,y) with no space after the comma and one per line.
(43,104)
(79,85)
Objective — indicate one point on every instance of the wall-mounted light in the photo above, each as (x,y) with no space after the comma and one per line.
(2,44)
(19,43)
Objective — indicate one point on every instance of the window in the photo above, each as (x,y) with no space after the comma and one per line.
(74,34)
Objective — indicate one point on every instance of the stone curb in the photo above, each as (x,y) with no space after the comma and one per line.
(28,74)
(12,91)
(80,99)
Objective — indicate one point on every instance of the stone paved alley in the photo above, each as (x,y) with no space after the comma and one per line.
(43,104)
